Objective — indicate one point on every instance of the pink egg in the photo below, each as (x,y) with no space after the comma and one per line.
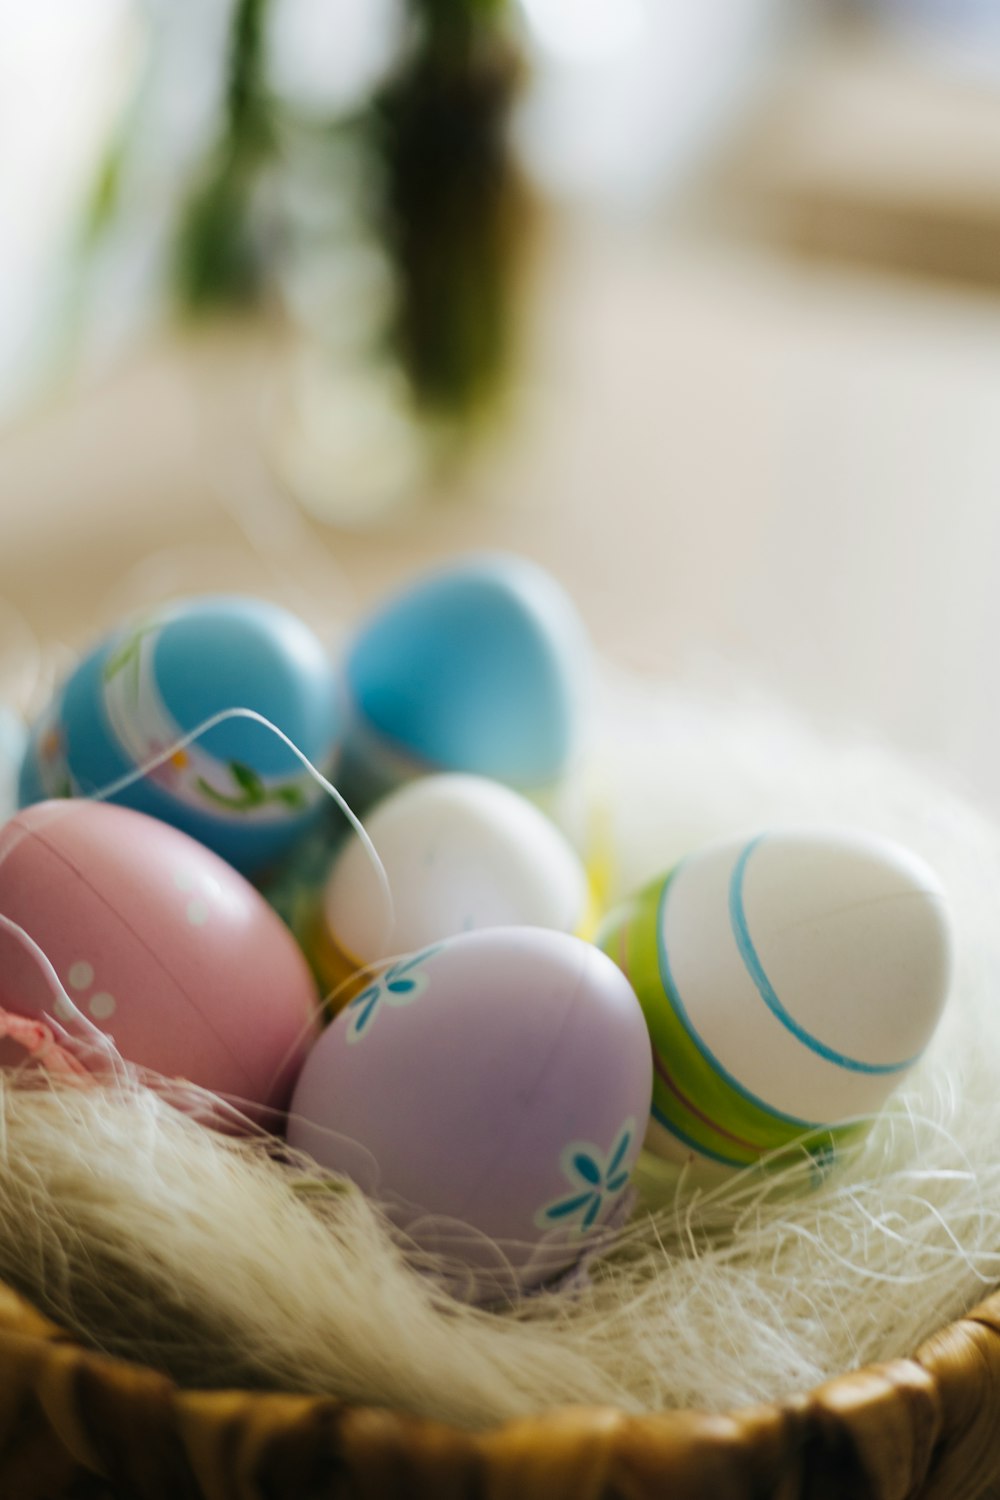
(159,943)
(492,1090)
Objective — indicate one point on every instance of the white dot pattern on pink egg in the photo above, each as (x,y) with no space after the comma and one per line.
(80,977)
(197,908)
(221,1002)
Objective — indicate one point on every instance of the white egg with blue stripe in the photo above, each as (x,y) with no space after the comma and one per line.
(790,981)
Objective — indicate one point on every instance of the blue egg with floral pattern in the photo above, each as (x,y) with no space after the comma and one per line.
(480,667)
(492,1090)
(238,787)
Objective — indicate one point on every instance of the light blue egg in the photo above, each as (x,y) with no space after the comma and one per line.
(479,668)
(238,788)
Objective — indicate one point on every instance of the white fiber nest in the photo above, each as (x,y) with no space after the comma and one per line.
(206,1257)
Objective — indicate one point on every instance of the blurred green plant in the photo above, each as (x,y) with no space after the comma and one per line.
(454,211)
(448,211)
(216,259)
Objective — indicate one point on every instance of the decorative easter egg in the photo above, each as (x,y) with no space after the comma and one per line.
(461,853)
(492,1091)
(789,983)
(157,942)
(237,788)
(479,668)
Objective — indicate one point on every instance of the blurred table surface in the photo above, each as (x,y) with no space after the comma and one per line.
(761,468)
(878,148)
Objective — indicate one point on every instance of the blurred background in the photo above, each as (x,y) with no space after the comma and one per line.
(696,304)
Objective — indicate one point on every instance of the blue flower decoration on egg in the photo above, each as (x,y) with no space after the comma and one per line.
(596,1180)
(401,984)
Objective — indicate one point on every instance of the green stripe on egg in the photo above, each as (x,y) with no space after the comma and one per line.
(694,1098)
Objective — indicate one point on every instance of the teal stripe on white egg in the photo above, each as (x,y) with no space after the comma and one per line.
(671,1144)
(811,966)
(868,910)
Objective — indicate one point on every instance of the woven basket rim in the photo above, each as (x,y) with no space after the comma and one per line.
(927,1425)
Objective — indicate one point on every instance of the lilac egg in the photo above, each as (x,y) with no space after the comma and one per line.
(492,1090)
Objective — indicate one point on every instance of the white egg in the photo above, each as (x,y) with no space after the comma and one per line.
(461,853)
(789,982)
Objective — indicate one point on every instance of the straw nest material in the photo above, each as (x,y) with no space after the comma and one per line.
(193,1315)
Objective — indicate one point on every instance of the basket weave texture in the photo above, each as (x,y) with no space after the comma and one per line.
(77,1425)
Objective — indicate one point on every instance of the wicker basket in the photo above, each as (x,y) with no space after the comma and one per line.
(74,1424)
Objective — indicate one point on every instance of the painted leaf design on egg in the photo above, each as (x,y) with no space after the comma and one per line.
(363,1005)
(252,791)
(128,655)
(597,1180)
(567,1206)
(618,1175)
(291,796)
(401,984)
(247,778)
(587,1168)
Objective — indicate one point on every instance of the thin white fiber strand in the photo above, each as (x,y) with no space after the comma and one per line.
(96,1039)
(225,1263)
(222,717)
